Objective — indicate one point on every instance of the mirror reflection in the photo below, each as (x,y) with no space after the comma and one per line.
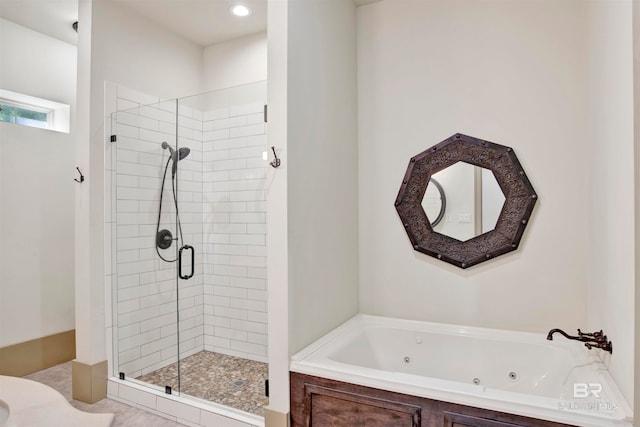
(434,202)
(473,201)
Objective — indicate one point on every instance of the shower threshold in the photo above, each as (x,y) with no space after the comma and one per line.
(219,378)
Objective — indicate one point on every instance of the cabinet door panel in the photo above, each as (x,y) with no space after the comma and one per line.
(458,420)
(326,407)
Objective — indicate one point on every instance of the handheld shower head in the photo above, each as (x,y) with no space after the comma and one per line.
(182,152)
(165,145)
(175,156)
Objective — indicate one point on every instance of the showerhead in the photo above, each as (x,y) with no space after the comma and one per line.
(182,152)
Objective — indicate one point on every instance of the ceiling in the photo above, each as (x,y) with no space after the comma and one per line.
(204,22)
(51,17)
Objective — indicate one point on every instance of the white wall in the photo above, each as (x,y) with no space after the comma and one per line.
(487,69)
(312,197)
(611,181)
(118,46)
(277,211)
(36,192)
(130,50)
(322,168)
(238,61)
(562,98)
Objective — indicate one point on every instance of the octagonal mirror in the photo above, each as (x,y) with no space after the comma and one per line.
(473,205)
(485,199)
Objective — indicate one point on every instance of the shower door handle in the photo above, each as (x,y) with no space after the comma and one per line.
(182,249)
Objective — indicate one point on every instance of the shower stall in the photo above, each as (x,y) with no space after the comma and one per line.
(188,245)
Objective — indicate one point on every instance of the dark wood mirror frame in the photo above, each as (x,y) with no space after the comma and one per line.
(520,198)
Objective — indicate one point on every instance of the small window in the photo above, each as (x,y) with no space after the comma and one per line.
(25,115)
(34,112)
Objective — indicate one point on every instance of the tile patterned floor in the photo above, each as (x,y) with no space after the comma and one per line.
(227,380)
(59,378)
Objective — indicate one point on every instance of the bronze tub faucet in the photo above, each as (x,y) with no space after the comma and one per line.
(590,339)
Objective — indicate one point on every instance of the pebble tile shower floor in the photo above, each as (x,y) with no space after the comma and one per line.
(227,380)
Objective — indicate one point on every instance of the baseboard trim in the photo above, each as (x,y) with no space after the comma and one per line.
(32,356)
(275,419)
(89,382)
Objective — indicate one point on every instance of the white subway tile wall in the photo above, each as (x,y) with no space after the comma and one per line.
(234,210)
(146,294)
(221,200)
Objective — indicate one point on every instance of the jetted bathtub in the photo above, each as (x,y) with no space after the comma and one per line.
(511,372)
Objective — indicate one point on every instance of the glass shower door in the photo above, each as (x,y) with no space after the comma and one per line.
(189,277)
(188,226)
(146,237)
(222,308)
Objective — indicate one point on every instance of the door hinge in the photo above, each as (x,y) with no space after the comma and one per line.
(113,138)
(265,113)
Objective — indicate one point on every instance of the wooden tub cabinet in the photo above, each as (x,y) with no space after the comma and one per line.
(321,402)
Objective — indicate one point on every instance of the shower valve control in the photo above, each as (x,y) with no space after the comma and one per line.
(164,239)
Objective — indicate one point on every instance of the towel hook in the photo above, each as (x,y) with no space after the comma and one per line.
(276,161)
(81,176)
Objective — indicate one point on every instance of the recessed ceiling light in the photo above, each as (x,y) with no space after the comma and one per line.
(240,10)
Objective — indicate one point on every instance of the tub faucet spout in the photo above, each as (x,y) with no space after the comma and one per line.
(590,339)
